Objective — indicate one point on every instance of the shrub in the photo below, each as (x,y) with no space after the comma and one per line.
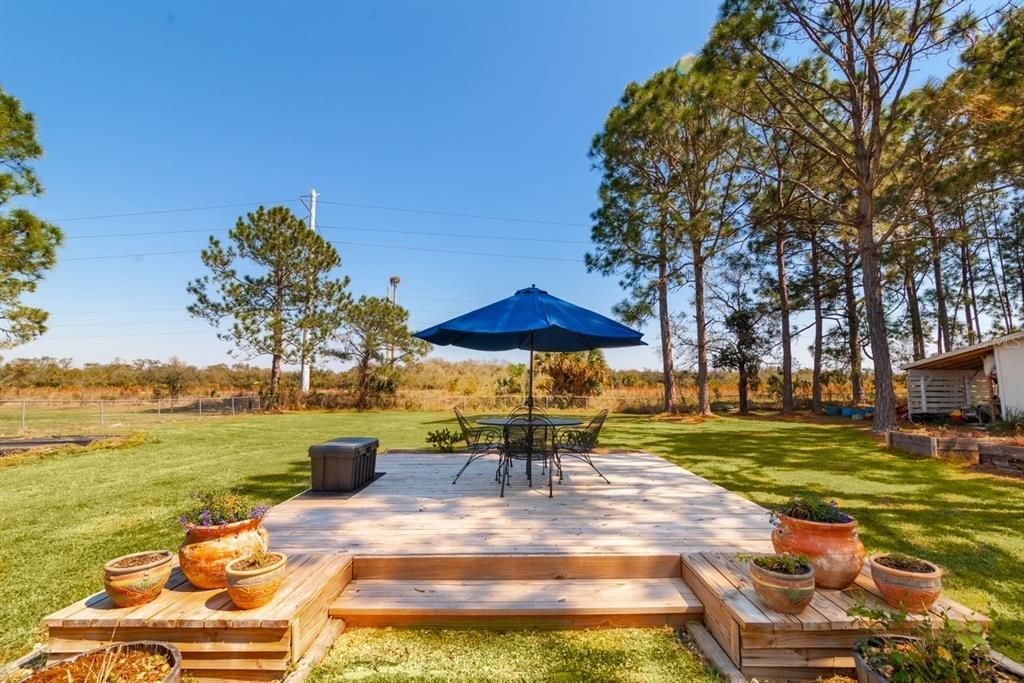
(444,440)
(949,653)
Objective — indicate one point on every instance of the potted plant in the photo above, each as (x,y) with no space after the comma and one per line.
(827,536)
(140,661)
(906,582)
(138,578)
(253,580)
(785,583)
(220,526)
(944,654)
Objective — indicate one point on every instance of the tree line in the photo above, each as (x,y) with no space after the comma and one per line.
(796,177)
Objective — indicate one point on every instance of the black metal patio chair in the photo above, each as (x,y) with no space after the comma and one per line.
(481,441)
(580,442)
(528,440)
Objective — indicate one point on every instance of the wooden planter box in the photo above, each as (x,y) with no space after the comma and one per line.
(958,448)
(966,450)
(1005,458)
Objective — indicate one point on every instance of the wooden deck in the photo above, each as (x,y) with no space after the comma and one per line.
(654,547)
(651,507)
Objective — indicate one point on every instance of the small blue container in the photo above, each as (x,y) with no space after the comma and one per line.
(832,410)
(848,412)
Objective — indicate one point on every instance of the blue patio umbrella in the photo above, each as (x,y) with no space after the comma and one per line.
(532,320)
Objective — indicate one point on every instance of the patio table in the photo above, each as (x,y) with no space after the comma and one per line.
(553,421)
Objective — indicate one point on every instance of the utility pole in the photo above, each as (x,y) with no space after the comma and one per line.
(394,281)
(306,361)
(393,296)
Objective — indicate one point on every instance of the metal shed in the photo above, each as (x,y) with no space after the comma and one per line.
(990,375)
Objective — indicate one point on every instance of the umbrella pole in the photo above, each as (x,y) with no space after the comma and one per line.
(529,398)
(529,428)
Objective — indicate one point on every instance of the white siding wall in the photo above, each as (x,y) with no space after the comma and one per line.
(1010,371)
(941,391)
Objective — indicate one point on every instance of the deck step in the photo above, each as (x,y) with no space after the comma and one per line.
(499,604)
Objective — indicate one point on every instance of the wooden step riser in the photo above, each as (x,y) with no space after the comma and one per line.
(510,567)
(494,623)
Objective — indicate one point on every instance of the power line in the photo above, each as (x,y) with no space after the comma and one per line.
(353,244)
(354,228)
(358,205)
(136,255)
(432,212)
(118,336)
(166,211)
(144,234)
(117,310)
(460,235)
(129,322)
(460,252)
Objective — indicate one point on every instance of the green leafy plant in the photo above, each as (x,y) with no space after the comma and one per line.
(444,439)
(946,653)
(257,560)
(784,563)
(217,506)
(812,508)
(905,563)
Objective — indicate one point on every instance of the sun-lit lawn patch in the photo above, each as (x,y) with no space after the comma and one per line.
(436,655)
(63,515)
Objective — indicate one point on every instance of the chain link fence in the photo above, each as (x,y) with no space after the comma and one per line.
(60,417)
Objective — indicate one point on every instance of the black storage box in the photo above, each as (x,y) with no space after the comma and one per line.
(343,464)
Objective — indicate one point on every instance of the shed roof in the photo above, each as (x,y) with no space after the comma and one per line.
(967,358)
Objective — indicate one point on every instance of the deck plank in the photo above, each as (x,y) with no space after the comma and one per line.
(651,507)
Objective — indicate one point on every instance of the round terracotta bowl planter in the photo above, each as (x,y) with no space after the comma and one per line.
(251,588)
(785,593)
(912,591)
(131,581)
(207,550)
(834,550)
(166,650)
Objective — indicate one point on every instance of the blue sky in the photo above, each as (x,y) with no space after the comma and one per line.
(484,109)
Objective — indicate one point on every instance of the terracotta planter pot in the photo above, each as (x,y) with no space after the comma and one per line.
(251,588)
(207,550)
(169,652)
(136,585)
(786,593)
(835,550)
(912,591)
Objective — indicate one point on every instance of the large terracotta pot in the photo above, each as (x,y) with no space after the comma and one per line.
(786,593)
(131,581)
(165,650)
(252,588)
(834,550)
(912,591)
(207,550)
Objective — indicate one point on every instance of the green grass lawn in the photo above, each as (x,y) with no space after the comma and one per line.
(409,655)
(63,515)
